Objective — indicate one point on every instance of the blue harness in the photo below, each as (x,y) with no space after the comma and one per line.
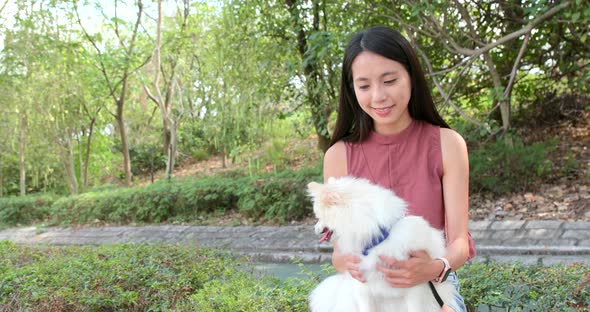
(376,240)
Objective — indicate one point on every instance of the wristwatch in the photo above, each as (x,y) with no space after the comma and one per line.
(445,272)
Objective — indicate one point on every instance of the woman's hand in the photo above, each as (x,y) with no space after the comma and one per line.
(418,269)
(350,263)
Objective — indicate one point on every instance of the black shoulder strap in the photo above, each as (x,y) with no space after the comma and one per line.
(435,293)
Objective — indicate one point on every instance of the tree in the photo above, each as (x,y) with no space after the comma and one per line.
(472,32)
(165,102)
(117,72)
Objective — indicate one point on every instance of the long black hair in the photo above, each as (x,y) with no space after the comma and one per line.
(352,123)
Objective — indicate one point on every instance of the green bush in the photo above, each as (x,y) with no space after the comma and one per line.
(155,203)
(499,167)
(280,197)
(106,278)
(144,157)
(516,287)
(509,165)
(243,293)
(25,209)
(138,278)
(185,278)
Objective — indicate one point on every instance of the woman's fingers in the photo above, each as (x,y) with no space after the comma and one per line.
(347,263)
(395,272)
(353,268)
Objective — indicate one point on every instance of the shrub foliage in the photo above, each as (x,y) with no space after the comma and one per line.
(275,197)
(516,287)
(25,209)
(498,167)
(509,165)
(184,278)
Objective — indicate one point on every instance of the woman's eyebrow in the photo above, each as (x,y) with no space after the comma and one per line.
(393,72)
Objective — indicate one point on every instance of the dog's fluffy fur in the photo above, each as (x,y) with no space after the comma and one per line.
(354,210)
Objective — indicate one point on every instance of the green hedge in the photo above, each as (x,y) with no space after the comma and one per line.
(106,278)
(25,209)
(280,197)
(509,165)
(498,167)
(184,278)
(277,197)
(516,287)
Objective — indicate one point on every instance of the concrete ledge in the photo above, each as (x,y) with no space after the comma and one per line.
(533,250)
(533,242)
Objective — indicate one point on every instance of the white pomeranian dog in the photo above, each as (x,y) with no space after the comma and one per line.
(369,221)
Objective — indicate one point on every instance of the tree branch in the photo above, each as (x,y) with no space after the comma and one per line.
(3,6)
(397,18)
(103,69)
(508,89)
(526,29)
(450,69)
(442,91)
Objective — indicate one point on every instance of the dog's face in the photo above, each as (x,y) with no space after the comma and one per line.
(353,207)
(326,201)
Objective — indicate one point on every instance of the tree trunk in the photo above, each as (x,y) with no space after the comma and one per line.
(171,153)
(120,100)
(320,111)
(502,102)
(223,162)
(165,104)
(87,155)
(514,21)
(124,143)
(67,158)
(319,115)
(71,168)
(21,153)
(79,139)
(169,132)
(1,183)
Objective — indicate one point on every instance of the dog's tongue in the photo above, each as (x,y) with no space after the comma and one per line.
(326,236)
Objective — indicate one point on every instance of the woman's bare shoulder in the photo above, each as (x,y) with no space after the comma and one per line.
(454,151)
(451,139)
(335,161)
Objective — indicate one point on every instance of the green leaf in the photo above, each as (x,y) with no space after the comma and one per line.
(575,17)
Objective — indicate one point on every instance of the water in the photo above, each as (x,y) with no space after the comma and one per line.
(287,270)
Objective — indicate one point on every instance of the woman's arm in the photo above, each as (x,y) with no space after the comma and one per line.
(335,166)
(456,196)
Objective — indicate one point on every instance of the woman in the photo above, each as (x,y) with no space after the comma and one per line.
(389,132)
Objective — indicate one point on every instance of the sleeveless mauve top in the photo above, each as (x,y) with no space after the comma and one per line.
(410,164)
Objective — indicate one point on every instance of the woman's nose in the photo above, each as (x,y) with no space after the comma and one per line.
(378,94)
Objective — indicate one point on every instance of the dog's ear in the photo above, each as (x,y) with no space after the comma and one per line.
(328,199)
(314,187)
(323,194)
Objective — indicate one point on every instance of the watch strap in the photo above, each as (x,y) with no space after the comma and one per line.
(445,272)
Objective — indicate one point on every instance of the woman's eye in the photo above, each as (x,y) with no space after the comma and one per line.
(364,87)
(390,81)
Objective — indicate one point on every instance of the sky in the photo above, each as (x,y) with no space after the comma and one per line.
(89,13)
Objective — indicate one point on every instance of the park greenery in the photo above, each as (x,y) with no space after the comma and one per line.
(102,93)
(180,278)
(98,95)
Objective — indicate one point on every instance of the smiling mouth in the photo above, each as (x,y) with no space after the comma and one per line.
(383,110)
(327,235)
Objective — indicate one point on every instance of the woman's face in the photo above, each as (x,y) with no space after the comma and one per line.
(383,89)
